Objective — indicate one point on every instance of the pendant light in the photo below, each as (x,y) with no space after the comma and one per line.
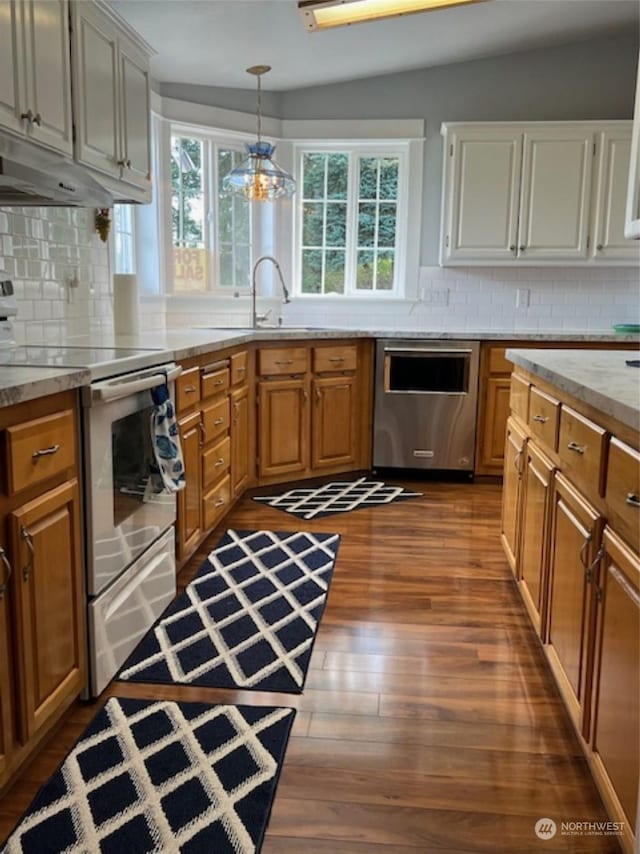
(259,178)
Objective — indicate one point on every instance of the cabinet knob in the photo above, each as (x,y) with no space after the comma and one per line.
(513,247)
(128,164)
(599,247)
(37,119)
(122,163)
(522,248)
(633,500)
(28,116)
(7,575)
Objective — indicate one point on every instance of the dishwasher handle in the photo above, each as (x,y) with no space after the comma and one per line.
(430,351)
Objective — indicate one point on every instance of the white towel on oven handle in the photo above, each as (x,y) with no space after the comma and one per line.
(168,473)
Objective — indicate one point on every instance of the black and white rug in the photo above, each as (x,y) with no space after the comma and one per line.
(337,497)
(156,776)
(247,620)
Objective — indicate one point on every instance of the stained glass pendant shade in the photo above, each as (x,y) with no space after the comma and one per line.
(259,178)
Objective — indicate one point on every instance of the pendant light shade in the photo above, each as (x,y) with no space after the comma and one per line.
(259,178)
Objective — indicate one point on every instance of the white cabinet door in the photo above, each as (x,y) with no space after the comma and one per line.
(48,74)
(135,114)
(609,242)
(483,177)
(555,194)
(95,89)
(12,67)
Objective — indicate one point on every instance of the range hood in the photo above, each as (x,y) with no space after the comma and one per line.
(30,175)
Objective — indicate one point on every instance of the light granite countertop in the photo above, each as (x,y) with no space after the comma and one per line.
(600,378)
(18,384)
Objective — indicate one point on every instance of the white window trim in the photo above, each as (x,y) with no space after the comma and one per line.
(354,148)
(112,242)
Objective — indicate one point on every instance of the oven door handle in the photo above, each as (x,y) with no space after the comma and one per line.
(428,351)
(119,387)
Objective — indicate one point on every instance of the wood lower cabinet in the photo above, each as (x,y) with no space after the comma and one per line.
(49,605)
(511,492)
(536,507)
(241,457)
(189,525)
(615,735)
(283,436)
(490,449)
(333,428)
(575,534)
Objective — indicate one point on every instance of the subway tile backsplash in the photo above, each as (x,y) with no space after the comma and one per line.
(62,277)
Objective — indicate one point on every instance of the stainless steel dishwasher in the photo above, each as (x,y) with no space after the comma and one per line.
(425,404)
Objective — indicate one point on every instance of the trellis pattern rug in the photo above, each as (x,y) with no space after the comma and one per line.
(337,497)
(158,776)
(247,620)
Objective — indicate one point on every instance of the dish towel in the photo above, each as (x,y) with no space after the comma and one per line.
(168,473)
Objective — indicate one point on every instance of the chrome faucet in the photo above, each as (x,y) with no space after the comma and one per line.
(260,317)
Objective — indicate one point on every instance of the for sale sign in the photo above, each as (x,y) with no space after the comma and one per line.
(189,269)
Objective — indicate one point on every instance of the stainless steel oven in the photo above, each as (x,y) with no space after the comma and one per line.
(425,404)
(129,525)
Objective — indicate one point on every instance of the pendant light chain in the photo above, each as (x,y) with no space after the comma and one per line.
(259,109)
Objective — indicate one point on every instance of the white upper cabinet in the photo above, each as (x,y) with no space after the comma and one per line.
(35,77)
(632,218)
(484,188)
(539,194)
(608,231)
(111,99)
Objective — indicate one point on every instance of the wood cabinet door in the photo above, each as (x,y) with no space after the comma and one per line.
(536,502)
(135,114)
(12,67)
(50,638)
(95,88)
(555,194)
(483,182)
(189,522)
(575,532)
(283,432)
(511,490)
(241,461)
(494,413)
(609,242)
(615,739)
(48,73)
(6,647)
(333,424)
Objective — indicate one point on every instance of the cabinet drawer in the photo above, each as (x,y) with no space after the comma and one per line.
(519,399)
(215,462)
(239,367)
(214,381)
(498,362)
(188,389)
(215,418)
(215,503)
(544,417)
(284,360)
(581,449)
(39,449)
(342,358)
(622,490)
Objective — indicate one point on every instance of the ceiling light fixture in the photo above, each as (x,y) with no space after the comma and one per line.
(321,14)
(259,178)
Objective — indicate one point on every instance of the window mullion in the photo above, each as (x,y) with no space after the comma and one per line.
(352,224)
(376,230)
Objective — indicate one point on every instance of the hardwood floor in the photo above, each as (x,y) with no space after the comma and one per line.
(429,722)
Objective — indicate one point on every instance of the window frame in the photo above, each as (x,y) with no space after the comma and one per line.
(213,140)
(115,257)
(355,149)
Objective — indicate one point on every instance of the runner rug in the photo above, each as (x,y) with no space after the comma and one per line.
(161,776)
(247,620)
(336,497)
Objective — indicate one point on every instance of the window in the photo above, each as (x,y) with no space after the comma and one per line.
(123,233)
(350,208)
(211,232)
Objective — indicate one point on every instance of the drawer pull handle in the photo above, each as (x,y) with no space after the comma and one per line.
(285,362)
(220,502)
(574,446)
(541,419)
(583,551)
(241,369)
(219,462)
(218,421)
(7,566)
(516,461)
(203,433)
(218,382)
(26,536)
(633,499)
(336,358)
(45,452)
(189,389)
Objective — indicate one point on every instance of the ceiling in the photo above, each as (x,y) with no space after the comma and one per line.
(212,42)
